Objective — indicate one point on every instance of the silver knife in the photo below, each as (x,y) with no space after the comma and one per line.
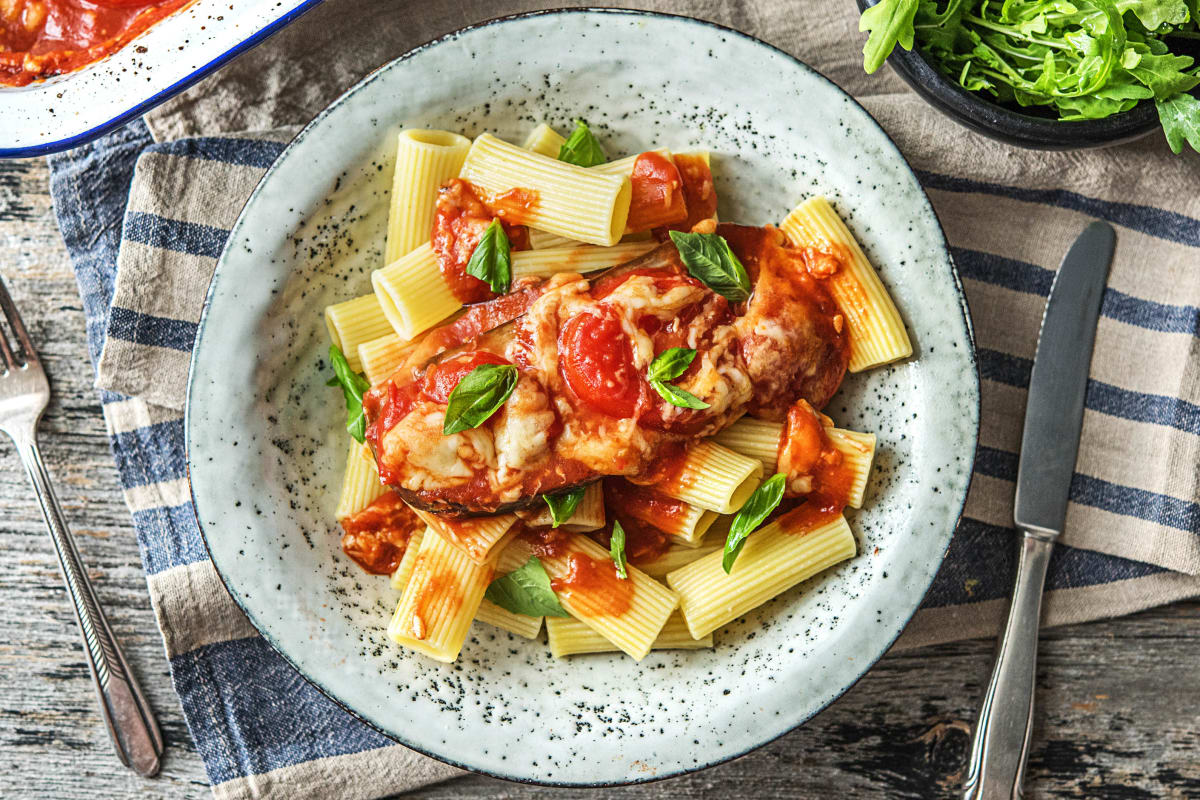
(1049,445)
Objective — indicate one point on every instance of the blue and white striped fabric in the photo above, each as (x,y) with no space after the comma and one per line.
(1133,536)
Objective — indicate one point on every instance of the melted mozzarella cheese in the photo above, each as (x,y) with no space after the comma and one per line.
(432,460)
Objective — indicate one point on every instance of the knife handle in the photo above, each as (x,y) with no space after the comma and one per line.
(1001,744)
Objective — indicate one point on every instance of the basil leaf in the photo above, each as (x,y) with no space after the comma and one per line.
(670,364)
(1180,118)
(890,23)
(760,505)
(563,505)
(478,395)
(582,148)
(676,396)
(526,590)
(709,260)
(353,385)
(616,548)
(490,261)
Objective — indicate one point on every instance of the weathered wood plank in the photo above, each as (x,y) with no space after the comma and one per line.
(1116,699)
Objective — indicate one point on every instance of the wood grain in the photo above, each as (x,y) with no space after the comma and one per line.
(1117,700)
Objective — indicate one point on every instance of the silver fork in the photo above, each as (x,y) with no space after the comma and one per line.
(24,393)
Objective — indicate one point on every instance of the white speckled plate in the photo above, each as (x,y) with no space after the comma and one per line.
(266,445)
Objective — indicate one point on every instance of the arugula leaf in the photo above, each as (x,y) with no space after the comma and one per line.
(1156,13)
(667,366)
(490,261)
(526,590)
(1164,75)
(709,260)
(760,505)
(890,23)
(478,395)
(1180,118)
(582,148)
(616,549)
(353,386)
(563,505)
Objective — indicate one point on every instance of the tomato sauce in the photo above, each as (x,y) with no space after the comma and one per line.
(442,587)
(440,379)
(459,220)
(815,469)
(601,591)
(657,197)
(43,38)
(596,362)
(699,192)
(643,504)
(376,537)
(643,542)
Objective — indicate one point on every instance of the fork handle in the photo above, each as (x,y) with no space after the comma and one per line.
(130,722)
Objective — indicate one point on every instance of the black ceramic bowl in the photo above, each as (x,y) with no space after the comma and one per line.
(983,115)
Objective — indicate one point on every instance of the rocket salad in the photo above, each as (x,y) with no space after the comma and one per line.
(1086,59)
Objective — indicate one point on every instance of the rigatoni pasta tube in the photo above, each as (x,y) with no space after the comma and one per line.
(877,334)
(624,166)
(519,624)
(569,636)
(570,201)
(383,356)
(630,613)
(589,514)
(774,559)
(677,555)
(683,522)
(759,439)
(545,140)
(540,240)
(404,569)
(353,322)
(585,258)
(440,600)
(713,477)
(477,537)
(424,161)
(360,482)
(412,293)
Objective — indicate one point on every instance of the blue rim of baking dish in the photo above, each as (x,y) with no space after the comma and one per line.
(250,42)
(968,327)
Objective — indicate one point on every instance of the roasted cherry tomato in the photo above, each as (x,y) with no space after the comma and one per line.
(596,361)
(440,379)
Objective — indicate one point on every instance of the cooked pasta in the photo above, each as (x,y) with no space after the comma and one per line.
(413,294)
(518,624)
(583,259)
(360,482)
(440,599)
(630,613)
(568,637)
(877,334)
(353,322)
(713,477)
(589,514)
(383,356)
(478,537)
(424,161)
(772,561)
(568,200)
(677,555)
(404,570)
(540,240)
(544,140)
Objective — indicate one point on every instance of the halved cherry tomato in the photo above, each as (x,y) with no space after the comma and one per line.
(440,379)
(596,361)
(657,197)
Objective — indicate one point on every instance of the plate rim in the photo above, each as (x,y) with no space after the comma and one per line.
(967,326)
(162,95)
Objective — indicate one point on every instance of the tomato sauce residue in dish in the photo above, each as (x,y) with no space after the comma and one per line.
(596,583)
(815,469)
(459,221)
(377,536)
(43,38)
(442,587)
(657,197)
(698,190)
(643,504)
(643,543)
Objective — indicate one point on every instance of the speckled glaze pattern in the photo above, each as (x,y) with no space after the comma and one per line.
(68,110)
(266,444)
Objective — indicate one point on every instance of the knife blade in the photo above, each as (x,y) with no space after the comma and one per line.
(1058,383)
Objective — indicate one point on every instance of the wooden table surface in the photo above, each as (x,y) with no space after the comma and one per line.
(1117,701)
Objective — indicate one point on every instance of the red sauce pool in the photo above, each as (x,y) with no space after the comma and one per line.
(459,221)
(376,537)
(43,38)
(805,449)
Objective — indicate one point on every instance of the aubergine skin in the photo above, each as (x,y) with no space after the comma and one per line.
(451,510)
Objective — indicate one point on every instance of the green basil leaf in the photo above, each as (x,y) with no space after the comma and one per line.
(709,260)
(526,590)
(760,505)
(563,505)
(676,396)
(582,148)
(478,395)
(671,363)
(353,386)
(1180,118)
(890,23)
(490,261)
(616,548)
